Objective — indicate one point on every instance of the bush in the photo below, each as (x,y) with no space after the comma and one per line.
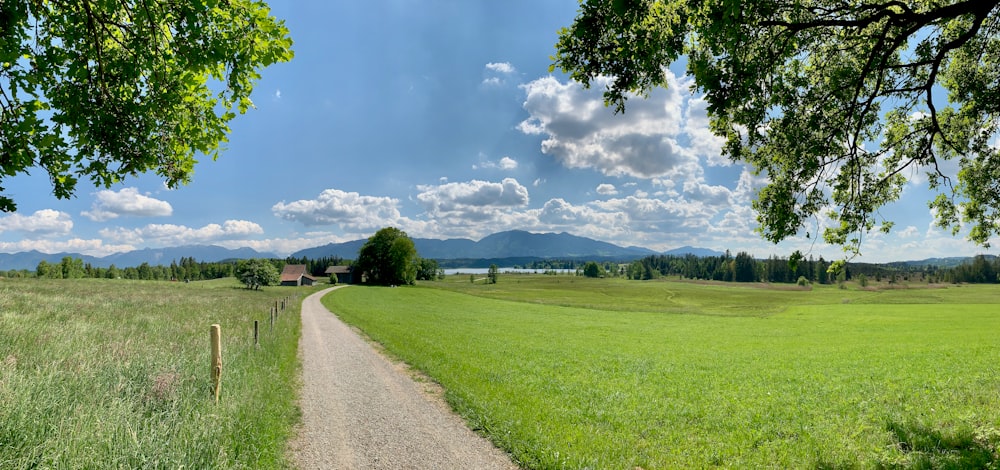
(802,282)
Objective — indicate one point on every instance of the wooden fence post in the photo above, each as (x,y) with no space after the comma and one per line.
(255,343)
(216,361)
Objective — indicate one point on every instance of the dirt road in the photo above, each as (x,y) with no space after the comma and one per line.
(359,410)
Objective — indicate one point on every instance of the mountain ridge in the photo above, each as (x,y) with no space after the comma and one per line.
(500,245)
(508,245)
(153,256)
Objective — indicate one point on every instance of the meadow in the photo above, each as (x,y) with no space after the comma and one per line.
(115,374)
(568,372)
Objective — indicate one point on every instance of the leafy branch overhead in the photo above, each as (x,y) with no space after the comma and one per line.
(838,104)
(105,89)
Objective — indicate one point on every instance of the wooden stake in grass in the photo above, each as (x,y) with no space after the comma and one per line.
(255,343)
(216,361)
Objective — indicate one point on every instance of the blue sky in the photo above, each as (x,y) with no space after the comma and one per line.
(441,118)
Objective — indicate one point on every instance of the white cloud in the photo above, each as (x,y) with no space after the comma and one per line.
(277,94)
(177,235)
(703,142)
(909,232)
(475,199)
(350,210)
(501,67)
(111,204)
(606,189)
(45,222)
(505,163)
(538,182)
(707,194)
(497,73)
(580,132)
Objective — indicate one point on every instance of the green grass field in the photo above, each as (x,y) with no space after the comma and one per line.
(115,374)
(567,372)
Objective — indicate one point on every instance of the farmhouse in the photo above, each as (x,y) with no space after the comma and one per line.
(345,274)
(296,275)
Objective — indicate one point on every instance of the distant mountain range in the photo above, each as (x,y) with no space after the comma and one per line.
(513,246)
(509,245)
(503,248)
(153,256)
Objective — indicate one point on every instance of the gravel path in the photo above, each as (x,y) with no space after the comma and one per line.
(359,410)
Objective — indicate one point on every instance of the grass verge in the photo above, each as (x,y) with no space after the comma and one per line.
(115,374)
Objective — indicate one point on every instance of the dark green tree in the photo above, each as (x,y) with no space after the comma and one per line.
(592,269)
(256,273)
(744,268)
(388,258)
(428,270)
(44,270)
(492,274)
(837,103)
(105,89)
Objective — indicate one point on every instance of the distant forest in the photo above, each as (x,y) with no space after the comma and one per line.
(740,268)
(745,268)
(187,269)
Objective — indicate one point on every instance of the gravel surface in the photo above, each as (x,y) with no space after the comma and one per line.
(359,410)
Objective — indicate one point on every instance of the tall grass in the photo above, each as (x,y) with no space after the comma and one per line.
(115,374)
(822,380)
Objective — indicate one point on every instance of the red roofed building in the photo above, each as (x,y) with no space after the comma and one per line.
(296,275)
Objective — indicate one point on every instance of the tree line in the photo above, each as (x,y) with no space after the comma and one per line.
(185,269)
(742,267)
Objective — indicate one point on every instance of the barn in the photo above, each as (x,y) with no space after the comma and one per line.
(345,274)
(296,275)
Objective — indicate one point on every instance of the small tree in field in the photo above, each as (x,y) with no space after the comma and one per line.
(592,269)
(258,272)
(491,275)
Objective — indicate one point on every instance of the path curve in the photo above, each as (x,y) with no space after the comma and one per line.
(360,411)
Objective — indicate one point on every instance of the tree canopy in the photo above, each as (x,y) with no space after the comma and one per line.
(388,258)
(256,273)
(106,89)
(837,103)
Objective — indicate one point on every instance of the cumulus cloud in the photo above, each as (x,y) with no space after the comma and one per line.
(474,199)
(113,204)
(703,142)
(45,222)
(909,232)
(501,67)
(707,194)
(174,235)
(580,132)
(505,163)
(606,189)
(497,72)
(350,210)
